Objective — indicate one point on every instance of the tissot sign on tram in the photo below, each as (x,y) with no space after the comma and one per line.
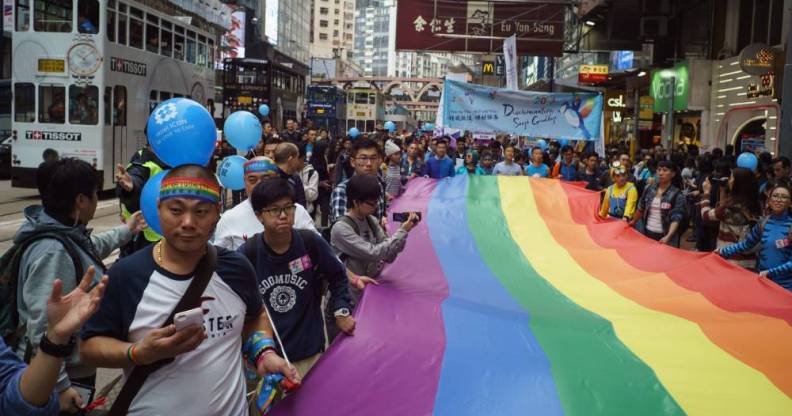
(479,26)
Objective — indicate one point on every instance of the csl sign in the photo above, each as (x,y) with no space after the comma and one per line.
(667,83)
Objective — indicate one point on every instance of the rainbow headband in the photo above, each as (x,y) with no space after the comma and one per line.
(184,187)
(259,166)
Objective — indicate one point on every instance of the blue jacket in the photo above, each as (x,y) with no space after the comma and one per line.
(673,205)
(440,168)
(775,250)
(11,400)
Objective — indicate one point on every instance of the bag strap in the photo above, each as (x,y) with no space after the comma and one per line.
(251,247)
(191,299)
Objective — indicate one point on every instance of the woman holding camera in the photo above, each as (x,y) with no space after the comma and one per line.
(737,210)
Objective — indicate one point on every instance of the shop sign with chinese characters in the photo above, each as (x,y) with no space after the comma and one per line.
(479,26)
(593,74)
(763,89)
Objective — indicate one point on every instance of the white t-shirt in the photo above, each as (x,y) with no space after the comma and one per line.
(206,381)
(240,222)
(654,222)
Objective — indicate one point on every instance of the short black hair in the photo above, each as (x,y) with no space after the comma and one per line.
(567,148)
(267,192)
(784,161)
(362,188)
(361,144)
(590,154)
(441,141)
(536,148)
(61,181)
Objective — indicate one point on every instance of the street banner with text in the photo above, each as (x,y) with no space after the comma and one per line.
(510,56)
(571,116)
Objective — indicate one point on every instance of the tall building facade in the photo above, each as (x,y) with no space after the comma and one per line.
(294,28)
(332,29)
(429,65)
(375,36)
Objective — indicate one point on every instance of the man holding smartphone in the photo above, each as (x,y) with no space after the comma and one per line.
(205,376)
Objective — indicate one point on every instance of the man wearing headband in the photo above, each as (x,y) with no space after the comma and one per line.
(621,197)
(146,286)
(240,222)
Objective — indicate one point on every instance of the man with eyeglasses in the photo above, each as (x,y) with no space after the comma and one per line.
(240,222)
(366,160)
(286,263)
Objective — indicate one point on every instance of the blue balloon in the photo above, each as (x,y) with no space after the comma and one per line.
(181,131)
(542,144)
(353,132)
(243,130)
(231,172)
(148,201)
(264,110)
(563,142)
(390,126)
(428,126)
(747,160)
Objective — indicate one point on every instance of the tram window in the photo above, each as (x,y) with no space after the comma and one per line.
(178,29)
(166,42)
(122,28)
(52,104)
(136,12)
(152,38)
(119,106)
(153,101)
(350,97)
(164,96)
(122,7)
(111,18)
(24,102)
(83,105)
(191,50)
(53,16)
(88,16)
(111,4)
(361,98)
(372,99)
(201,54)
(178,47)
(22,15)
(166,24)
(135,33)
(108,99)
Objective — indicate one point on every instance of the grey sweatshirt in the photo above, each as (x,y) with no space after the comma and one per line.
(365,253)
(46,260)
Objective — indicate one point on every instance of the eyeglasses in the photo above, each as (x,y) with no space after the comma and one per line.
(278,211)
(780,197)
(367,159)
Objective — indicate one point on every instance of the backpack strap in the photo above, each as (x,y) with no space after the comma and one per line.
(251,247)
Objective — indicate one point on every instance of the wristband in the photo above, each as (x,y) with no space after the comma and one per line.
(131,355)
(56,350)
(256,344)
(263,354)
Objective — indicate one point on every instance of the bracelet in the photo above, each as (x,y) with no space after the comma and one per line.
(131,354)
(256,344)
(263,354)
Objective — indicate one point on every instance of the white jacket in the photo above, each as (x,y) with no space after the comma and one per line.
(310,180)
(240,222)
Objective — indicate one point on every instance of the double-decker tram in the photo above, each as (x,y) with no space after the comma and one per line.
(87,73)
(365,108)
(327,108)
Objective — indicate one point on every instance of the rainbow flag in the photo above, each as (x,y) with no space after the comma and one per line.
(513,298)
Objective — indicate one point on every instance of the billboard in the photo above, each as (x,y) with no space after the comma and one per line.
(233,42)
(271,21)
(479,26)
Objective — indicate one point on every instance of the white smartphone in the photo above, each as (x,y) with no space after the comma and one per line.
(188,318)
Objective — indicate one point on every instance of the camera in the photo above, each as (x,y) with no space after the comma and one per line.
(720,180)
(403,216)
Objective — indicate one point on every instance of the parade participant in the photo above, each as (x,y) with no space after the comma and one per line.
(240,222)
(344,166)
(470,165)
(624,159)
(29,390)
(318,161)
(292,134)
(621,197)
(566,169)
(310,179)
(287,157)
(537,168)
(129,184)
(772,234)
(269,147)
(286,261)
(366,158)
(662,207)
(132,329)
(737,211)
(507,167)
(393,176)
(781,168)
(56,244)
(591,173)
(440,165)
(485,166)
(412,165)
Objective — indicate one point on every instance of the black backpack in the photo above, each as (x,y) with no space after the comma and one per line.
(9,281)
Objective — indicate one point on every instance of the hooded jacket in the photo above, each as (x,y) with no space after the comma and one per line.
(46,260)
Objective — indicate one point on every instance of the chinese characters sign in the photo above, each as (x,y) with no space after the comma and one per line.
(479,26)
(593,74)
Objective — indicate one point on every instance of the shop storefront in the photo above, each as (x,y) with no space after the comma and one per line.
(744,101)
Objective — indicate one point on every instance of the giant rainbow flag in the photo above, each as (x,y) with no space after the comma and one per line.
(512,298)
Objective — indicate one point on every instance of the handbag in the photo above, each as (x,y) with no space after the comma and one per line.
(118,400)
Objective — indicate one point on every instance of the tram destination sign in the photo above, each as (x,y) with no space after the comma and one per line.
(66,136)
(51,65)
(128,67)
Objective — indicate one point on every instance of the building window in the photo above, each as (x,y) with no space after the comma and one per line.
(335,33)
(24,102)
(53,16)
(88,16)
(322,36)
(323,23)
(83,105)
(52,104)
(323,10)
(22,15)
(335,22)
